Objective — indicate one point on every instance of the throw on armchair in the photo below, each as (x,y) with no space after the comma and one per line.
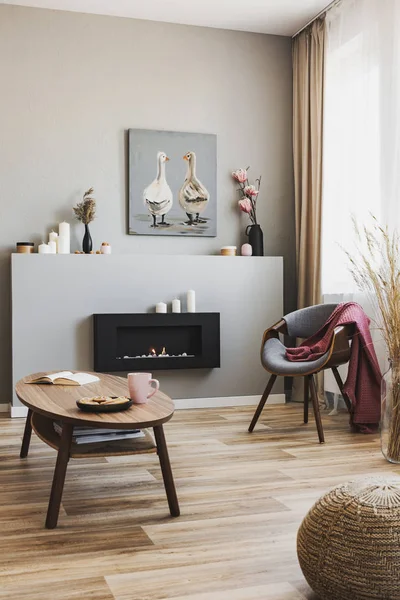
(304,323)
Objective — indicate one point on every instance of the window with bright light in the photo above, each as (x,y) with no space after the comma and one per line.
(352,153)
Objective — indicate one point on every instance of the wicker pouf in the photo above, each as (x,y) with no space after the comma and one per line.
(349,543)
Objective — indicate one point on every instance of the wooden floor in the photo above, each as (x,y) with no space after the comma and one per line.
(242,499)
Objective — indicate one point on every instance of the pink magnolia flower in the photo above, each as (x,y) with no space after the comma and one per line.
(245,205)
(240,175)
(250,191)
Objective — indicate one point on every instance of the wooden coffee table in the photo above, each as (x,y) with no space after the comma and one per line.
(48,403)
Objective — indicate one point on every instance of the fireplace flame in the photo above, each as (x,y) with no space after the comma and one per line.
(153,352)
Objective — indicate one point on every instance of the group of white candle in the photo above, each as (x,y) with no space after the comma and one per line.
(161,307)
(59,243)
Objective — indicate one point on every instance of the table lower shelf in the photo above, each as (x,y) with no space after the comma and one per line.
(44,429)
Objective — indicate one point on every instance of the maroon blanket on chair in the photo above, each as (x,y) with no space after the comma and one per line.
(363,381)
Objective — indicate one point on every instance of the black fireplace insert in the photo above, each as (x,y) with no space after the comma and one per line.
(150,342)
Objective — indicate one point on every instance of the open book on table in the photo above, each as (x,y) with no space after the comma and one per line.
(66,378)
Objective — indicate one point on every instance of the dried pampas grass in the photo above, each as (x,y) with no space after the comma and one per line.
(85,211)
(375,267)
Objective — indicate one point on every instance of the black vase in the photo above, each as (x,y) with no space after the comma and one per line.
(256,239)
(87,243)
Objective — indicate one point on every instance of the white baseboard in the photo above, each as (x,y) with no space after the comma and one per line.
(182,403)
(226,401)
(18,411)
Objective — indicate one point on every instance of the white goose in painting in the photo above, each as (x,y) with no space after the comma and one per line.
(193,196)
(157,196)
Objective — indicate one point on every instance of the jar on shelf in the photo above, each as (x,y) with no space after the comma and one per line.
(25,247)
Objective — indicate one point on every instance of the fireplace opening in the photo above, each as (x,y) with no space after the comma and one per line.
(159,342)
(141,342)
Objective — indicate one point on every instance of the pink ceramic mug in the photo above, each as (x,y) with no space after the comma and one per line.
(140,388)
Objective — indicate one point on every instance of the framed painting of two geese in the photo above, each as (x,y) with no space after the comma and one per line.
(172,183)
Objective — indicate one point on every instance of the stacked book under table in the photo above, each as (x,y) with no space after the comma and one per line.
(90,435)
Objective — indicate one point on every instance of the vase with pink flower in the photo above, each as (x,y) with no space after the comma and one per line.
(248,204)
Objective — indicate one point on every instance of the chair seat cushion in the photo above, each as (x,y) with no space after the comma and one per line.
(274,360)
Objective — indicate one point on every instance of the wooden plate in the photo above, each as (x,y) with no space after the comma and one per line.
(104,408)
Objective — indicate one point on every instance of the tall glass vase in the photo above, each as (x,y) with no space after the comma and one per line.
(390,412)
(87,243)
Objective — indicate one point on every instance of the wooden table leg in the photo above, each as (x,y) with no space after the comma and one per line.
(166,471)
(26,440)
(59,476)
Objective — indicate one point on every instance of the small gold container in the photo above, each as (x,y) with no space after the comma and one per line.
(25,247)
(228,251)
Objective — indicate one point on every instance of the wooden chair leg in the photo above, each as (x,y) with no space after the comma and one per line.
(26,440)
(317,414)
(262,402)
(306,399)
(341,388)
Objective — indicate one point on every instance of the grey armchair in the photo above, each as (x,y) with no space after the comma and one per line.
(302,324)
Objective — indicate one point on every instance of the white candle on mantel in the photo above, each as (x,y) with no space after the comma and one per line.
(176,305)
(53,237)
(64,245)
(191,301)
(43,248)
(53,247)
(161,307)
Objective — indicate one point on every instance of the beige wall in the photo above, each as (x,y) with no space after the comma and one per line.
(71,86)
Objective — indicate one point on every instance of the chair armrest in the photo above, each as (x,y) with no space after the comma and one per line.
(273,332)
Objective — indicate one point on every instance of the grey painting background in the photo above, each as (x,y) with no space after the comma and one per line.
(144,144)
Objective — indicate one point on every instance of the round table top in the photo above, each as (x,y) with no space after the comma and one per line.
(58,402)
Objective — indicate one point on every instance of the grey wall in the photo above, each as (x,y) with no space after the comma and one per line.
(47,338)
(71,86)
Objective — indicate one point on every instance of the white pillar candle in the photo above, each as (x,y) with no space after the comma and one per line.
(64,245)
(53,237)
(63,228)
(53,247)
(176,305)
(191,301)
(43,248)
(161,307)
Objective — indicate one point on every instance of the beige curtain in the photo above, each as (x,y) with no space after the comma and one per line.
(308,92)
(308,85)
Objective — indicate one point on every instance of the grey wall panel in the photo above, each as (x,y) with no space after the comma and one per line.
(54,297)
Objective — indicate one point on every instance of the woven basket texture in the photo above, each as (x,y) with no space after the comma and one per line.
(349,543)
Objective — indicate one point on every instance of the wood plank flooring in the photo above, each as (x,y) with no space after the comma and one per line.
(242,499)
